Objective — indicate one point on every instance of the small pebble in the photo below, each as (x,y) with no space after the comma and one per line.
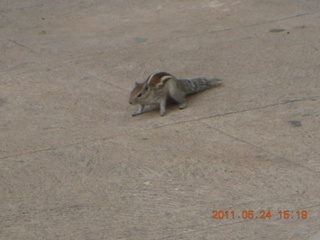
(296,123)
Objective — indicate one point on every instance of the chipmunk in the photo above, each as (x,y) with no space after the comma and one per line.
(158,87)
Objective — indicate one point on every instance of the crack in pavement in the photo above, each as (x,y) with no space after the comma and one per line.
(238,27)
(165,125)
(159,41)
(21,45)
(264,150)
(240,111)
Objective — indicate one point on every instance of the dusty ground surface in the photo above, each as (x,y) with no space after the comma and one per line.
(74,164)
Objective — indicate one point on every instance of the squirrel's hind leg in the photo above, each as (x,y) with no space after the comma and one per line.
(180,98)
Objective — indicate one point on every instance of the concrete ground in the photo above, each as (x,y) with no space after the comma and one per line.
(74,164)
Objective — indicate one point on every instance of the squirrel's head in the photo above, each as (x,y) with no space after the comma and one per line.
(153,83)
(139,92)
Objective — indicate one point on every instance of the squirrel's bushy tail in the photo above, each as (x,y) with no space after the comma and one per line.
(199,84)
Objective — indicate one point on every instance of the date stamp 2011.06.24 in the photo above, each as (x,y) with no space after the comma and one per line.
(250,214)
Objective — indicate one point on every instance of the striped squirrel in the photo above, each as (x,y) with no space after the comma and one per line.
(158,87)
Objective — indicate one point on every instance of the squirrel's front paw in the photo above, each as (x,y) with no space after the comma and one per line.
(183,106)
(136,114)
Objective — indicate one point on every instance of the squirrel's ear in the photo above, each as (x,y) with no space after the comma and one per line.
(146,87)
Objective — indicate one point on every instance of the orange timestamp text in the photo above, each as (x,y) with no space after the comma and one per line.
(250,214)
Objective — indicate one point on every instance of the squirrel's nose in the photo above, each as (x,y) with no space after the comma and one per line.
(130,102)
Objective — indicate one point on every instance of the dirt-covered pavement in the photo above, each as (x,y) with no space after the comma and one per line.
(74,163)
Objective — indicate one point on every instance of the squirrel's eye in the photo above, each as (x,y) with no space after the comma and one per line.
(139,95)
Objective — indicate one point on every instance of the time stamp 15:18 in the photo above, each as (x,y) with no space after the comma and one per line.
(250,214)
